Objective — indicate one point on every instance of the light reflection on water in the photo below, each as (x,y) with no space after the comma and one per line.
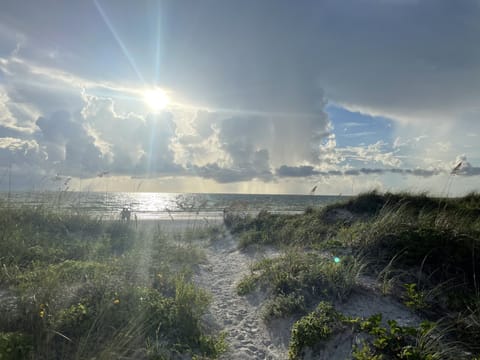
(165,205)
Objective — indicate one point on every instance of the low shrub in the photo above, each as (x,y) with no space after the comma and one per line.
(313,328)
(15,345)
(426,342)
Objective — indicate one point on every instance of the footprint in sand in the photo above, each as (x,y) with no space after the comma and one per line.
(246,334)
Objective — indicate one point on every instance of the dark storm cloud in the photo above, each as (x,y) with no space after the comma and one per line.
(296,171)
(471,171)
(407,57)
(465,168)
(352,172)
(395,56)
(371,171)
(229,175)
(244,140)
(306,171)
(422,172)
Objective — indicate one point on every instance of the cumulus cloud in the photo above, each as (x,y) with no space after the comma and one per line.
(20,152)
(463,167)
(133,144)
(260,110)
(68,145)
(245,146)
(15,117)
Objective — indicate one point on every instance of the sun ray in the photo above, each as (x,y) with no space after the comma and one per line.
(157,48)
(119,41)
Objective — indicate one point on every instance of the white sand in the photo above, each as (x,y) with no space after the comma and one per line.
(239,316)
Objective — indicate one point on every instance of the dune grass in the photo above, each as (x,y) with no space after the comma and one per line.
(423,251)
(74,287)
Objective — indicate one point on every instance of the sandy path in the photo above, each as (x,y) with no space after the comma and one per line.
(239,316)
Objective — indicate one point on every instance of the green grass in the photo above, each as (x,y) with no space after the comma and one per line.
(422,250)
(81,288)
(297,279)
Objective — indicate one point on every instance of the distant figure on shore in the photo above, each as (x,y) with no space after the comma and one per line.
(125,213)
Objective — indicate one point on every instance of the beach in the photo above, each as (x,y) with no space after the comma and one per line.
(375,275)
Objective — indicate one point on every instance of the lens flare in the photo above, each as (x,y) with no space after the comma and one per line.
(156,99)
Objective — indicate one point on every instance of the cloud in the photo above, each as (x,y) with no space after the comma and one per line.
(360,53)
(463,167)
(310,171)
(70,149)
(15,117)
(228,175)
(133,144)
(20,152)
(247,146)
(296,171)
(377,153)
(256,94)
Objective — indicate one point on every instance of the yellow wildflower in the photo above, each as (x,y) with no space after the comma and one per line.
(116,301)
(42,313)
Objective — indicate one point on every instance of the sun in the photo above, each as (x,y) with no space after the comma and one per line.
(156,99)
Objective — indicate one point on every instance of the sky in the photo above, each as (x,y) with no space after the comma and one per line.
(247,96)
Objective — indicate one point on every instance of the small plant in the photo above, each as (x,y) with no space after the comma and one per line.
(386,277)
(15,345)
(313,328)
(284,305)
(247,284)
(415,299)
(427,342)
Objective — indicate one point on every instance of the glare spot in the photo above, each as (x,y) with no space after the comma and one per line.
(156,99)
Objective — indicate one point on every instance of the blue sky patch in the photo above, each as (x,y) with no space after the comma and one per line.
(357,129)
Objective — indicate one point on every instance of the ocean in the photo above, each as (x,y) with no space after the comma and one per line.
(164,206)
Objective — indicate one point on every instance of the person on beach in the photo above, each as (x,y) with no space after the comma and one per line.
(125,213)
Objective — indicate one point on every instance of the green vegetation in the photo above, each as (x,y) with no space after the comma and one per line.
(81,288)
(380,341)
(427,342)
(422,251)
(313,328)
(297,279)
(73,287)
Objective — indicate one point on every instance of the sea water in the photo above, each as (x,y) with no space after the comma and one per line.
(165,206)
